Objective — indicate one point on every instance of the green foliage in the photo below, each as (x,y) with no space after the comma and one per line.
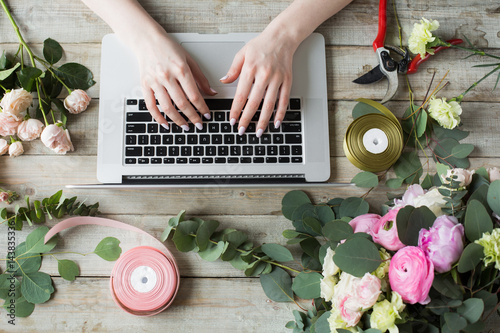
(494,196)
(52,51)
(76,76)
(306,285)
(357,256)
(277,285)
(68,269)
(108,249)
(471,256)
(477,221)
(365,179)
(411,220)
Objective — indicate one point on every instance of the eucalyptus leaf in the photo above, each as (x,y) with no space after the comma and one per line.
(454,321)
(471,309)
(277,252)
(426,182)
(256,268)
(306,285)
(394,183)
(277,285)
(35,241)
(322,325)
(408,167)
(462,150)
(20,307)
(172,223)
(357,256)
(184,236)
(289,234)
(234,239)
(443,153)
(9,286)
(411,220)
(68,269)
(471,256)
(456,134)
(37,287)
(313,223)
(353,207)
(365,179)
(477,220)
(311,246)
(494,196)
(108,249)
(324,213)
(205,231)
(27,263)
(445,285)
(291,201)
(238,263)
(489,299)
(52,51)
(213,251)
(337,230)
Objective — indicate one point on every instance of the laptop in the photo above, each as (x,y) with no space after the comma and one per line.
(134,151)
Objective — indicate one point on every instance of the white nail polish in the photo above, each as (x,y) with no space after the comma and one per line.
(224,78)
(165,126)
(277,124)
(199,126)
(213,91)
(185,127)
(232,121)
(259,132)
(241,131)
(207,116)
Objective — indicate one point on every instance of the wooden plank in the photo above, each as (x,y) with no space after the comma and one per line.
(355,25)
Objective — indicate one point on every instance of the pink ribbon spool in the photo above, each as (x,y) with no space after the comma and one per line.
(144,280)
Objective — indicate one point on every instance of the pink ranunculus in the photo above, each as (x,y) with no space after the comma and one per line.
(16,101)
(57,139)
(494,174)
(77,101)
(29,129)
(8,124)
(4,146)
(4,196)
(385,231)
(364,223)
(443,243)
(411,275)
(16,149)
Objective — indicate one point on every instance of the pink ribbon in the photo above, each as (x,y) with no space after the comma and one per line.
(144,280)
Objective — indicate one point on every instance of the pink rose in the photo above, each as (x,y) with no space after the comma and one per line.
(77,101)
(443,243)
(385,232)
(4,146)
(4,196)
(364,223)
(464,177)
(29,129)
(494,174)
(16,101)
(57,139)
(16,149)
(8,124)
(411,275)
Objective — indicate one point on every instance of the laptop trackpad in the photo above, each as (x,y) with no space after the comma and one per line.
(214,58)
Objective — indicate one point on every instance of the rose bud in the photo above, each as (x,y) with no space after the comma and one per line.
(463,176)
(364,223)
(4,146)
(8,124)
(16,101)
(494,174)
(57,139)
(77,101)
(4,196)
(443,243)
(29,129)
(16,149)
(411,275)
(385,232)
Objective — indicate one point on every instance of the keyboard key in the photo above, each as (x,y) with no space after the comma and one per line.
(213,128)
(272,150)
(256,116)
(228,139)
(233,160)
(225,128)
(173,151)
(185,151)
(149,151)
(258,159)
(247,150)
(296,159)
(294,104)
(153,128)
(241,139)
(192,139)
(168,139)
(155,139)
(181,160)
(250,128)
(277,139)
(219,104)
(142,105)
(296,150)
(131,102)
(291,127)
(143,139)
(284,150)
(139,117)
(203,129)
(136,128)
(161,151)
(198,151)
(252,139)
(191,129)
(284,159)
(292,116)
(176,129)
(220,160)
(131,139)
(130,161)
(271,159)
(245,160)
(260,150)
(223,150)
(207,160)
(168,160)
(265,139)
(156,160)
(164,130)
(194,160)
(205,139)
(293,138)
(143,160)
(180,139)
(133,151)
(210,151)
(235,150)
(217,139)
(219,116)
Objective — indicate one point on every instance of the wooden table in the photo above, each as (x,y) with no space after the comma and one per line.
(213,296)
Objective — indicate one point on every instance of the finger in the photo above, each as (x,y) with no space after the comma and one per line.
(166,104)
(200,78)
(149,98)
(241,96)
(190,89)
(267,107)
(235,69)
(252,105)
(183,105)
(284,99)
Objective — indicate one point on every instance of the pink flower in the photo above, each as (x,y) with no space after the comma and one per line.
(16,149)
(4,196)
(16,101)
(443,242)
(8,124)
(367,291)
(57,139)
(464,176)
(364,223)
(385,232)
(29,129)
(414,191)
(416,196)
(4,146)
(494,174)
(411,275)
(77,101)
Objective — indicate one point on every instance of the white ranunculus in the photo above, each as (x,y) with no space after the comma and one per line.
(421,36)
(16,101)
(446,114)
(432,199)
(329,267)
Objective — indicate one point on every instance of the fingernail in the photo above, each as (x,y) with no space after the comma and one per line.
(199,126)
(165,126)
(213,91)
(185,127)
(259,132)
(277,124)
(241,130)
(232,121)
(224,78)
(207,115)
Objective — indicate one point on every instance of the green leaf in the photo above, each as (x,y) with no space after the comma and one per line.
(238,263)
(6,290)
(172,223)
(277,252)
(443,151)
(29,265)
(35,241)
(481,195)
(365,179)
(76,76)
(213,251)
(445,285)
(489,299)
(256,268)
(68,269)
(108,249)
(322,325)
(411,220)
(185,235)
(8,72)
(442,133)
(477,220)
(471,256)
(306,285)
(311,246)
(37,287)
(20,307)
(52,51)
(455,321)
(362,109)
(52,88)
(414,123)
(27,77)
(291,201)
(337,230)
(408,167)
(289,234)
(394,183)
(312,223)
(277,285)
(471,309)
(235,239)
(357,256)
(353,207)
(462,150)
(494,196)
(427,182)
(205,231)
(325,213)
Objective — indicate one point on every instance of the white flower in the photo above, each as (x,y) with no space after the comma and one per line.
(335,321)
(446,114)
(4,146)
(491,247)
(432,199)
(77,101)
(329,267)
(16,101)
(16,149)
(421,36)
(29,129)
(327,285)
(494,174)
(385,313)
(464,177)
(8,124)
(57,139)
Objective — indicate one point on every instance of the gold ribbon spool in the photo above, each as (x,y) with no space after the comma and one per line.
(356,138)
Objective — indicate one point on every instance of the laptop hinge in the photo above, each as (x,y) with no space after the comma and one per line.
(214,179)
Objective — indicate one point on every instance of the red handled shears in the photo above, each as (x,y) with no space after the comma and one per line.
(388,67)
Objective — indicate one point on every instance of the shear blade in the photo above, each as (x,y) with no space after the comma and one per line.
(372,76)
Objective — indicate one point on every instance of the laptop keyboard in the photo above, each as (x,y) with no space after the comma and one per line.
(218,142)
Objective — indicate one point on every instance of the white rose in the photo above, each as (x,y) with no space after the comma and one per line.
(16,101)
(8,124)
(29,129)
(432,199)
(16,149)
(464,177)
(4,146)
(494,174)
(77,101)
(57,139)
(446,114)
(329,267)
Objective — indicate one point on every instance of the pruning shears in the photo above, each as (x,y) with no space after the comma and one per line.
(388,67)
